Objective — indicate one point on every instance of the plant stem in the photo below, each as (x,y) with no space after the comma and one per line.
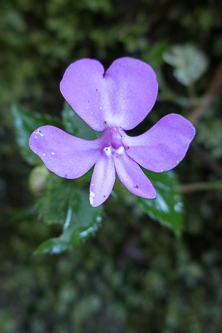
(205,186)
(208,96)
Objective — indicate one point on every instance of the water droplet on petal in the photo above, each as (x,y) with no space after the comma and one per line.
(91,197)
(38,132)
(107,151)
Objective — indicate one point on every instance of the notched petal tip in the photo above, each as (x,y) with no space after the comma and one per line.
(122,97)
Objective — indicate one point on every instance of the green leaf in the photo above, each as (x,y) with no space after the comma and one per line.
(210,135)
(52,246)
(76,126)
(64,203)
(189,63)
(25,122)
(154,54)
(53,202)
(167,207)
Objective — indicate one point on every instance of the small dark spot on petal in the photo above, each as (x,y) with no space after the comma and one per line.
(105,122)
(104,196)
(137,186)
(127,147)
(96,89)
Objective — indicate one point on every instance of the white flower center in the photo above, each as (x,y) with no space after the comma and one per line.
(107,151)
(114,143)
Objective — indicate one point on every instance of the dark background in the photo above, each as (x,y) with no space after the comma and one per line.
(134,275)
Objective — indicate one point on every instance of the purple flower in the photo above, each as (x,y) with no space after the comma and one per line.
(113,102)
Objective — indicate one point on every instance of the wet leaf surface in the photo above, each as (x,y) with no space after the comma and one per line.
(167,207)
(63,203)
(25,122)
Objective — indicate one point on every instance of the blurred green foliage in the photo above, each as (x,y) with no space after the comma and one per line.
(189,62)
(134,276)
(75,125)
(25,122)
(38,40)
(210,132)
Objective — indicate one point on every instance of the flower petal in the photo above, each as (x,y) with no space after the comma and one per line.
(132,177)
(81,86)
(163,146)
(120,98)
(102,181)
(64,154)
(132,91)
